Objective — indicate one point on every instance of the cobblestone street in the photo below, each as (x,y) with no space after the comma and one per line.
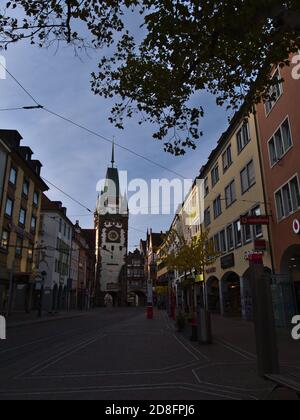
(119,355)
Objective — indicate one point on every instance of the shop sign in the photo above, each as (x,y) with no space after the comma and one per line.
(254,257)
(255,220)
(199,278)
(211,270)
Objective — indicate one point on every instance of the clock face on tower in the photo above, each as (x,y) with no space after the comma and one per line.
(113,236)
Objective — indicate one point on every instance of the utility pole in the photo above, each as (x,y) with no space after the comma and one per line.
(265,331)
(11,289)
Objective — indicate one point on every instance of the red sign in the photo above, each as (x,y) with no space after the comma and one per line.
(260,245)
(256,258)
(296,227)
(255,220)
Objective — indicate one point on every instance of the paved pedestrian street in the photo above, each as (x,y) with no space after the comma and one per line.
(117,354)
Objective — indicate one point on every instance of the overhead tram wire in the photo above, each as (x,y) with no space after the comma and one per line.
(112,142)
(67,195)
(39,106)
(20,85)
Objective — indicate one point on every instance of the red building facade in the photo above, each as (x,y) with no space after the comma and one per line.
(279,132)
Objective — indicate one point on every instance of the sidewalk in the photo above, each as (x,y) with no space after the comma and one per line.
(241,334)
(233,358)
(20,319)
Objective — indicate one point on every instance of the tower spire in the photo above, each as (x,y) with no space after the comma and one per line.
(113,154)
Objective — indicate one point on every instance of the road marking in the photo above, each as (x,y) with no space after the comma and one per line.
(170,369)
(246,355)
(194,348)
(37,342)
(108,389)
(66,350)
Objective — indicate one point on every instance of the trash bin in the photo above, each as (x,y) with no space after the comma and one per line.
(149,312)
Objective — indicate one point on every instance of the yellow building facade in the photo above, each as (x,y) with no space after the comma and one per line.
(233,187)
(19,222)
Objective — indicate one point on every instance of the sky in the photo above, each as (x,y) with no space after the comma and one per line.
(74,160)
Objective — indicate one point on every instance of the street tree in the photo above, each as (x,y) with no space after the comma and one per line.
(225,47)
(189,257)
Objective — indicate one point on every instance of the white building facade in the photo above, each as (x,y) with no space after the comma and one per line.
(55,255)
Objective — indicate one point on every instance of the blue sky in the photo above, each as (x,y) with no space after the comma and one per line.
(75,160)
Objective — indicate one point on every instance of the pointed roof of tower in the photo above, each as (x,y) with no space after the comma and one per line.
(113,155)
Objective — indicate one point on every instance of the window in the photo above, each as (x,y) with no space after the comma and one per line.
(238,233)
(257,229)
(280,143)
(60,225)
(25,189)
(9,207)
(288,199)
(215,175)
(295,193)
(5,240)
(227,159)
(22,217)
(65,229)
(33,223)
(217,243)
(36,199)
(230,194)
(217,207)
(247,233)
(243,137)
(13,176)
(19,246)
(248,177)
(230,238)
(206,187)
(274,93)
(69,232)
(223,244)
(207,217)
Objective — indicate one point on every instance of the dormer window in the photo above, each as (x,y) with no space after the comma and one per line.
(274,93)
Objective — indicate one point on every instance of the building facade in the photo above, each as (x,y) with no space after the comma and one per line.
(279,128)
(54,260)
(136,281)
(153,243)
(233,188)
(21,189)
(111,225)
(84,246)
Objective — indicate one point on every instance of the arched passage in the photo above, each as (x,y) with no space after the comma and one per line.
(231,290)
(109,300)
(136,298)
(213,295)
(290,266)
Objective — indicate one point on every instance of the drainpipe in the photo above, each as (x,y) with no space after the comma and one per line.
(264,188)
